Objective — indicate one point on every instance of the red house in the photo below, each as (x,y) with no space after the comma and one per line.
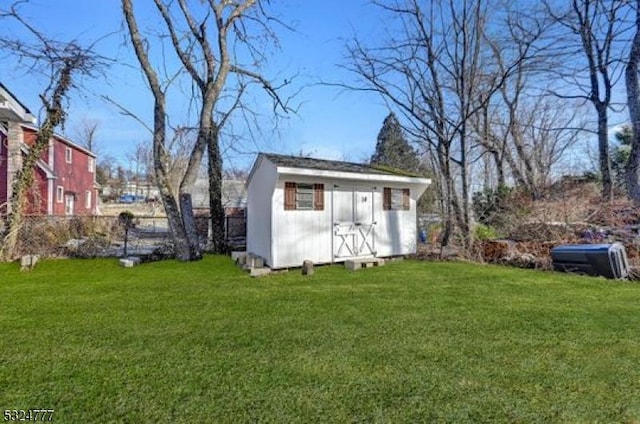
(65,183)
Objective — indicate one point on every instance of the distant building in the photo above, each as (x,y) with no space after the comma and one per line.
(65,181)
(234,196)
(141,190)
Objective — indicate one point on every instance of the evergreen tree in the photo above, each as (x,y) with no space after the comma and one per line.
(393,149)
(620,153)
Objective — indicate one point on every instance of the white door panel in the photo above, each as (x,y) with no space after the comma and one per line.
(353,222)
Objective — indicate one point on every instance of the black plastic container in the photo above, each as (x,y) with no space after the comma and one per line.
(607,260)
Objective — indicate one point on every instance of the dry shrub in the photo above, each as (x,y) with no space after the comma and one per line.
(437,252)
(543,232)
(47,236)
(91,247)
(619,213)
(570,209)
(521,254)
(566,201)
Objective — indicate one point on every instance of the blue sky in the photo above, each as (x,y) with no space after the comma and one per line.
(330,123)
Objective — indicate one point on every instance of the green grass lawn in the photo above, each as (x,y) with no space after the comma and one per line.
(408,342)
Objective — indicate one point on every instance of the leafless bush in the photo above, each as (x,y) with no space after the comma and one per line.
(51,236)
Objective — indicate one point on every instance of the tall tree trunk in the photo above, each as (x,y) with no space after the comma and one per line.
(465,216)
(594,22)
(160,160)
(527,173)
(205,129)
(603,151)
(453,212)
(499,162)
(190,228)
(182,245)
(633,101)
(218,241)
(445,178)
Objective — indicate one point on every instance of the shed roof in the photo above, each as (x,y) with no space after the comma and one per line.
(332,165)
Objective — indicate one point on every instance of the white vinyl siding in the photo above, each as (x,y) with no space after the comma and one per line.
(299,234)
(260,197)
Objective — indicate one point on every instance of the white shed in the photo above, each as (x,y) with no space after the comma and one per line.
(328,211)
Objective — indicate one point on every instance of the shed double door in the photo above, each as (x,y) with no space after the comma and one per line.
(354,226)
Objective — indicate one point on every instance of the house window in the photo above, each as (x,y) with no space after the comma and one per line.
(68,155)
(396,199)
(299,196)
(92,165)
(87,199)
(69,204)
(59,194)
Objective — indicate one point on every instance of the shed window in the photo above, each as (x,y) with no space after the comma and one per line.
(301,196)
(304,196)
(396,199)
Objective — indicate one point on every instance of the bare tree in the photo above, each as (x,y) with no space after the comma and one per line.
(61,61)
(503,135)
(106,169)
(546,131)
(526,133)
(140,165)
(179,148)
(633,101)
(205,49)
(594,30)
(86,132)
(436,71)
(160,157)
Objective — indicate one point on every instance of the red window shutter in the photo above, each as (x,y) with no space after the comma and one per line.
(318,197)
(289,196)
(406,199)
(386,199)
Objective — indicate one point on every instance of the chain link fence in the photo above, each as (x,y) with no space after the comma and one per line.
(104,236)
(236,231)
(89,236)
